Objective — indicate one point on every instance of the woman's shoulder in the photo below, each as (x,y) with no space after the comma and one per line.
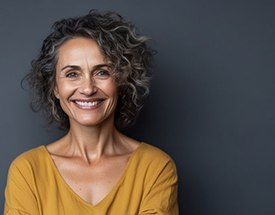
(32,157)
(153,155)
(149,162)
(152,151)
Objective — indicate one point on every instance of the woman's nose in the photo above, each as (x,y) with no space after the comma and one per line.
(88,86)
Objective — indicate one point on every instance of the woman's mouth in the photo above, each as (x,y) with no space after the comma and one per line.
(88,104)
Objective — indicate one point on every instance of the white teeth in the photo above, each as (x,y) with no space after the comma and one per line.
(87,104)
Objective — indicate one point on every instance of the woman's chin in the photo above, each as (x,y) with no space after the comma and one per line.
(89,122)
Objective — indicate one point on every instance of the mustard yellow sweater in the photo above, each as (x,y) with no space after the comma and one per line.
(148,186)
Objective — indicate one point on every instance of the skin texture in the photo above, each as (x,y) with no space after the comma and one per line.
(92,156)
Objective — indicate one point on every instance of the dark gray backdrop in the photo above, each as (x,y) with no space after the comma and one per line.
(212,106)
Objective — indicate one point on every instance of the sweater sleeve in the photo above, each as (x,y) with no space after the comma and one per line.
(161,197)
(20,198)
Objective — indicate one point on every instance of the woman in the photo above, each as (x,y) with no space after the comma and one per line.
(91,77)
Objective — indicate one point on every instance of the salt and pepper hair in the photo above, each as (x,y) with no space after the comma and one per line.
(127,53)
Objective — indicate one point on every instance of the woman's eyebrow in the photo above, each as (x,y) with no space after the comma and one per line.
(100,66)
(71,67)
(78,67)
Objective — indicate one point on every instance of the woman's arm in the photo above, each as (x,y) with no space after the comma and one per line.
(20,198)
(161,197)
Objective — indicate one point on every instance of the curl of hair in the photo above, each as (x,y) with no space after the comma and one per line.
(126,52)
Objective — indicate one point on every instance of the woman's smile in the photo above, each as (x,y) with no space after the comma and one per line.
(88,104)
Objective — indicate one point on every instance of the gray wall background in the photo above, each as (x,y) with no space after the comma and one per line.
(212,102)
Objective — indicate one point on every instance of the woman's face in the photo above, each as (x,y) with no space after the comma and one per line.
(85,86)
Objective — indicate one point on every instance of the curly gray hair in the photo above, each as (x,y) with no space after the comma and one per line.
(127,53)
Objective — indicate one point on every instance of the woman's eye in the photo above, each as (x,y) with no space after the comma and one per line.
(71,75)
(103,73)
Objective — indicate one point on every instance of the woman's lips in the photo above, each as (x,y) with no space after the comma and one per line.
(88,104)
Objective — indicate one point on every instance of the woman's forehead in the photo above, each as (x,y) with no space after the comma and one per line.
(78,51)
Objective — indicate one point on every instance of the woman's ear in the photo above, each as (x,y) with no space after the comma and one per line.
(56,93)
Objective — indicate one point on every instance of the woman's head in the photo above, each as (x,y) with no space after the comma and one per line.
(126,52)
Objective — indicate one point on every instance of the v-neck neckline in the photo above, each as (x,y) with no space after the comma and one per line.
(109,194)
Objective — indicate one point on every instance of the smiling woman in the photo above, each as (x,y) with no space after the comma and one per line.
(91,77)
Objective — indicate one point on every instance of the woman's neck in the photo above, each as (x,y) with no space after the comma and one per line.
(92,143)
